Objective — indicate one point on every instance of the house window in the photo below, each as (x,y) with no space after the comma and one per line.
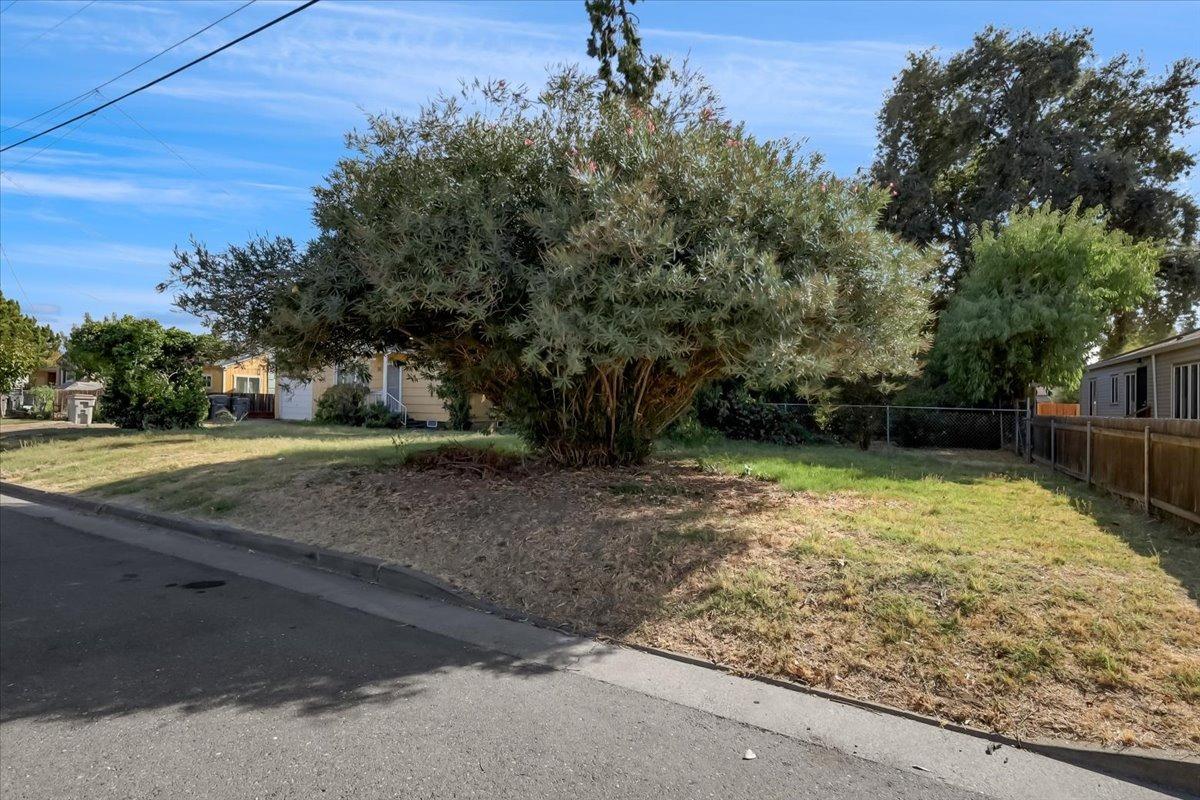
(1093,400)
(208,381)
(246,384)
(350,373)
(1130,394)
(1185,391)
(1114,396)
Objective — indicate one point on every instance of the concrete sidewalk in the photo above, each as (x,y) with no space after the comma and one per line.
(905,757)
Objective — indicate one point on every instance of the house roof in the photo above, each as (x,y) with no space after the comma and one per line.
(83,386)
(231,362)
(1164,344)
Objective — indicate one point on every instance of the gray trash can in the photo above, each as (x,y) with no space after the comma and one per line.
(240,407)
(217,402)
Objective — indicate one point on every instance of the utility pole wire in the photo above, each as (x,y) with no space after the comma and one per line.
(58,24)
(134,68)
(162,78)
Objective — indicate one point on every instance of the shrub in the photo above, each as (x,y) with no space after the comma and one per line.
(43,402)
(377,415)
(687,430)
(457,401)
(343,404)
(151,374)
(735,412)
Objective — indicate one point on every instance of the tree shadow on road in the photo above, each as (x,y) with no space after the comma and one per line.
(95,628)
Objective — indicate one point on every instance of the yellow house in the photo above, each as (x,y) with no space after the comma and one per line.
(244,374)
(401,388)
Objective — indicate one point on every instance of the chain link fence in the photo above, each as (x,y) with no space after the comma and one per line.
(905,426)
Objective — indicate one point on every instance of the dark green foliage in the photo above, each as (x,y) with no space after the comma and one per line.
(151,374)
(343,404)
(235,292)
(377,415)
(24,345)
(617,45)
(1025,119)
(731,409)
(457,400)
(1037,301)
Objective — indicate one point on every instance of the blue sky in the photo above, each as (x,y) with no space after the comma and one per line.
(231,148)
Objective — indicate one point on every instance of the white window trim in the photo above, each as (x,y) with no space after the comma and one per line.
(1130,382)
(255,378)
(1176,395)
(1114,387)
(207,381)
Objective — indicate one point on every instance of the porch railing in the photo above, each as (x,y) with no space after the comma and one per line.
(392,403)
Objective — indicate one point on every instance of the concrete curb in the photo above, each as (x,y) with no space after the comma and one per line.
(1150,766)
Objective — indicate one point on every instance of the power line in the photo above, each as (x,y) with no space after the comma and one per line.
(58,24)
(11,3)
(62,136)
(162,78)
(8,261)
(167,147)
(134,68)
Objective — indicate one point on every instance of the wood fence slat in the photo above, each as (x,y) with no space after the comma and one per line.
(1154,462)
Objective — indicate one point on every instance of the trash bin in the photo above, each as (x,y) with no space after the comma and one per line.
(217,402)
(240,407)
(80,408)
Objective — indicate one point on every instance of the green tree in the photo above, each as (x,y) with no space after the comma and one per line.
(1038,301)
(233,292)
(1021,119)
(24,345)
(617,45)
(588,263)
(151,374)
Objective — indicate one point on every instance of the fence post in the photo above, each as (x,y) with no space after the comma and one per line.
(888,424)
(1146,467)
(1028,437)
(1088,456)
(1052,459)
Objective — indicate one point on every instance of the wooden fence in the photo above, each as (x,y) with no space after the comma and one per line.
(261,406)
(1058,409)
(1153,461)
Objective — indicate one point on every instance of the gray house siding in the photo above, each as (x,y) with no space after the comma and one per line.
(1108,398)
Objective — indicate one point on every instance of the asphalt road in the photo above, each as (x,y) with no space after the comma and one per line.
(125,673)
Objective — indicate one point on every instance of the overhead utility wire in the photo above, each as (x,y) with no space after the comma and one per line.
(58,24)
(162,78)
(134,68)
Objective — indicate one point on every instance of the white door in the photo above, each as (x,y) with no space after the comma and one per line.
(295,399)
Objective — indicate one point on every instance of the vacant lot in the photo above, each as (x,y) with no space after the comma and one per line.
(965,585)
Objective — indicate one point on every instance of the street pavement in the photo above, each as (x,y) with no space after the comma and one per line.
(130,674)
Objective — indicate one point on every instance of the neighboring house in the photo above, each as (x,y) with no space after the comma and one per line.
(390,382)
(243,375)
(55,373)
(1158,380)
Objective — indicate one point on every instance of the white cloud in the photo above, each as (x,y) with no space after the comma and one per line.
(92,256)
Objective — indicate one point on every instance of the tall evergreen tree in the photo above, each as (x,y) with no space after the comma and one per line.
(1020,120)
